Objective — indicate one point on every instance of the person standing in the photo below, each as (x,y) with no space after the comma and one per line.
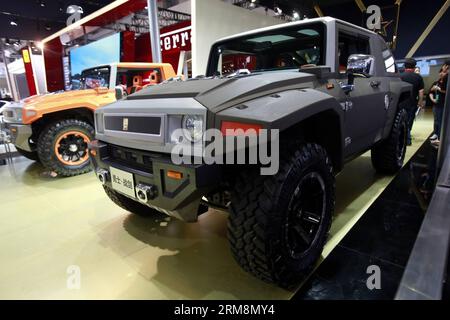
(446,66)
(418,91)
(437,96)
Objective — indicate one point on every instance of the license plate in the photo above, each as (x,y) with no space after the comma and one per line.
(123,182)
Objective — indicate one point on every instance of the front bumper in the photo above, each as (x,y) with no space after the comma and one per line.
(179,198)
(20,135)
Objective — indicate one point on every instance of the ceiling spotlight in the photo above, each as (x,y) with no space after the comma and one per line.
(296,15)
(278,11)
(14,22)
(48,27)
(42,3)
(7,42)
(74,9)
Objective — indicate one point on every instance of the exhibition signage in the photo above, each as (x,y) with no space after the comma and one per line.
(179,39)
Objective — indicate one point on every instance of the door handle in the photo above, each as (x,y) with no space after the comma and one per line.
(375,83)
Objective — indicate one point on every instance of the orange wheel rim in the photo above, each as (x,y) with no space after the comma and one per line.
(71,148)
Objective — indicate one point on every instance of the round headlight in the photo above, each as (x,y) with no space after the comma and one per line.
(193,127)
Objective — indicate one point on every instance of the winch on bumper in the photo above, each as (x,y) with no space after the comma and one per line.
(152,179)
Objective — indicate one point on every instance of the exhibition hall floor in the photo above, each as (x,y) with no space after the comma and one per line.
(52,227)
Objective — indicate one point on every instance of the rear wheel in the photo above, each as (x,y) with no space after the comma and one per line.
(130,205)
(32,155)
(389,154)
(63,146)
(279,224)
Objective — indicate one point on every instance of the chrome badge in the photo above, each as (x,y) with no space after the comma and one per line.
(125,124)
(387,101)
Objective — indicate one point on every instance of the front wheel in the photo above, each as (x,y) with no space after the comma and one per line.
(278,225)
(388,155)
(63,146)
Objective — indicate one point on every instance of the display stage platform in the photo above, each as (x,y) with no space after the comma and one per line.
(382,239)
(53,227)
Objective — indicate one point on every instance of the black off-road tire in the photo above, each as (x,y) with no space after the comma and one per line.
(131,205)
(388,155)
(46,146)
(32,155)
(259,212)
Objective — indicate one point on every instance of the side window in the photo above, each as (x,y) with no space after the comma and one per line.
(350,44)
(134,80)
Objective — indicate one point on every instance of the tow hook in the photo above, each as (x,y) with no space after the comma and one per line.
(103,175)
(146,192)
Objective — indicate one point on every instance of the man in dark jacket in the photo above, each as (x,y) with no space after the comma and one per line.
(417,95)
(439,91)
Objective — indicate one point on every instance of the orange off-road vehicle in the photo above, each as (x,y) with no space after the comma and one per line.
(56,128)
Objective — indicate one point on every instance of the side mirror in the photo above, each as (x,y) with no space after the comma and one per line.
(120,93)
(358,65)
(362,65)
(101,90)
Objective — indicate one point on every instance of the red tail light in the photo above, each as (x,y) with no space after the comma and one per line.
(247,128)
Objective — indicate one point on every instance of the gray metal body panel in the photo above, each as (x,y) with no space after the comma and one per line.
(284,100)
(218,94)
(285,109)
(20,136)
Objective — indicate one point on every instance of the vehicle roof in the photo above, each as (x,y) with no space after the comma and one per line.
(133,65)
(290,24)
(140,64)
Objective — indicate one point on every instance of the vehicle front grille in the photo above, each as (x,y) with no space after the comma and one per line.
(135,124)
(130,158)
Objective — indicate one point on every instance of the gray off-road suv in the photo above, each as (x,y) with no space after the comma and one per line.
(325,90)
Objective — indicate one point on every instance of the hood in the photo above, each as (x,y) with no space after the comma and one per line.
(59,97)
(218,94)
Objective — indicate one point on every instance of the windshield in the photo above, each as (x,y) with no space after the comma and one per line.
(287,48)
(94,78)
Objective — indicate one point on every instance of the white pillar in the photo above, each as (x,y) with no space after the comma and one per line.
(152,8)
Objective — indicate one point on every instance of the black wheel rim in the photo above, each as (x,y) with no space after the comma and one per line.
(306,212)
(72,148)
(401,146)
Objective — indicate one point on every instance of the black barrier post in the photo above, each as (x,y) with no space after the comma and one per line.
(425,272)
(445,132)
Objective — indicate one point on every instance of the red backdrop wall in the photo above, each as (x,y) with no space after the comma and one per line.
(29,71)
(143,49)
(54,65)
(132,50)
